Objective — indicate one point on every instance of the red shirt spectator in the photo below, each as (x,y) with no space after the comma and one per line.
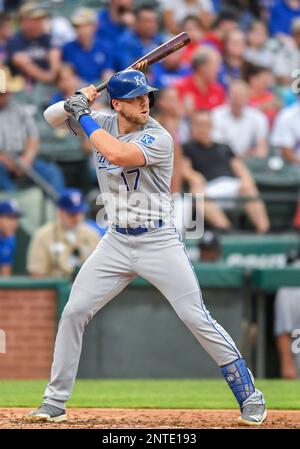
(265,102)
(212,96)
(201,90)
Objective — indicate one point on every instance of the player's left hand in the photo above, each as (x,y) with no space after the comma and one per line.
(90,92)
(77,105)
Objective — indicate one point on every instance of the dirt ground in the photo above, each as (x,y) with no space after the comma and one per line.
(12,418)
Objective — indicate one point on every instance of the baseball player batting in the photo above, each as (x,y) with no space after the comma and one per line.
(133,152)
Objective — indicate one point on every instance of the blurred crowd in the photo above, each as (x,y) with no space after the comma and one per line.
(229,97)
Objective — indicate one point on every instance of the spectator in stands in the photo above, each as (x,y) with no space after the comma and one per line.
(193,26)
(258,51)
(213,169)
(5,33)
(91,60)
(233,57)
(281,16)
(9,214)
(30,51)
(201,89)
(114,20)
(144,37)
(19,141)
(175,11)
(286,133)
(243,128)
(287,321)
(169,70)
(59,248)
(261,81)
(225,23)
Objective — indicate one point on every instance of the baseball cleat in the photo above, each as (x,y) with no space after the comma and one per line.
(252,415)
(47,413)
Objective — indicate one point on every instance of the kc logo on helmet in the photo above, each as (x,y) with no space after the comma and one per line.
(140,80)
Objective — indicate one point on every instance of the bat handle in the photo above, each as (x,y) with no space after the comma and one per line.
(102,86)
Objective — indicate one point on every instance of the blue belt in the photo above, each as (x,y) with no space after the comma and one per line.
(139,230)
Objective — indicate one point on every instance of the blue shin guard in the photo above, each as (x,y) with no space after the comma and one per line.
(239,379)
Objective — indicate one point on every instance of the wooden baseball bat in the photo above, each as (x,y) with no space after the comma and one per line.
(156,55)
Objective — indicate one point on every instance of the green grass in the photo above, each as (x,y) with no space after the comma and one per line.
(183,393)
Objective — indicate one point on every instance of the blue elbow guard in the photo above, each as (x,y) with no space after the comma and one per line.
(239,379)
(88,124)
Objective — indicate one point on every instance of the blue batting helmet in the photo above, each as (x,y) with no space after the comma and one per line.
(129,84)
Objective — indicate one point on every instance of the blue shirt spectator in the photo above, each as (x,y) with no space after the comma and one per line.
(114,20)
(170,70)
(136,43)
(89,63)
(233,57)
(131,47)
(90,58)
(163,77)
(107,28)
(281,17)
(9,214)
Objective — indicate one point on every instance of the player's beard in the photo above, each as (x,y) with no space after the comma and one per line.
(136,119)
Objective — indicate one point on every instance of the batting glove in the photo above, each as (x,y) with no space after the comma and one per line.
(77,105)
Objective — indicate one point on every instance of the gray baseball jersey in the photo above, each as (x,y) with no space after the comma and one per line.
(125,183)
(157,255)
